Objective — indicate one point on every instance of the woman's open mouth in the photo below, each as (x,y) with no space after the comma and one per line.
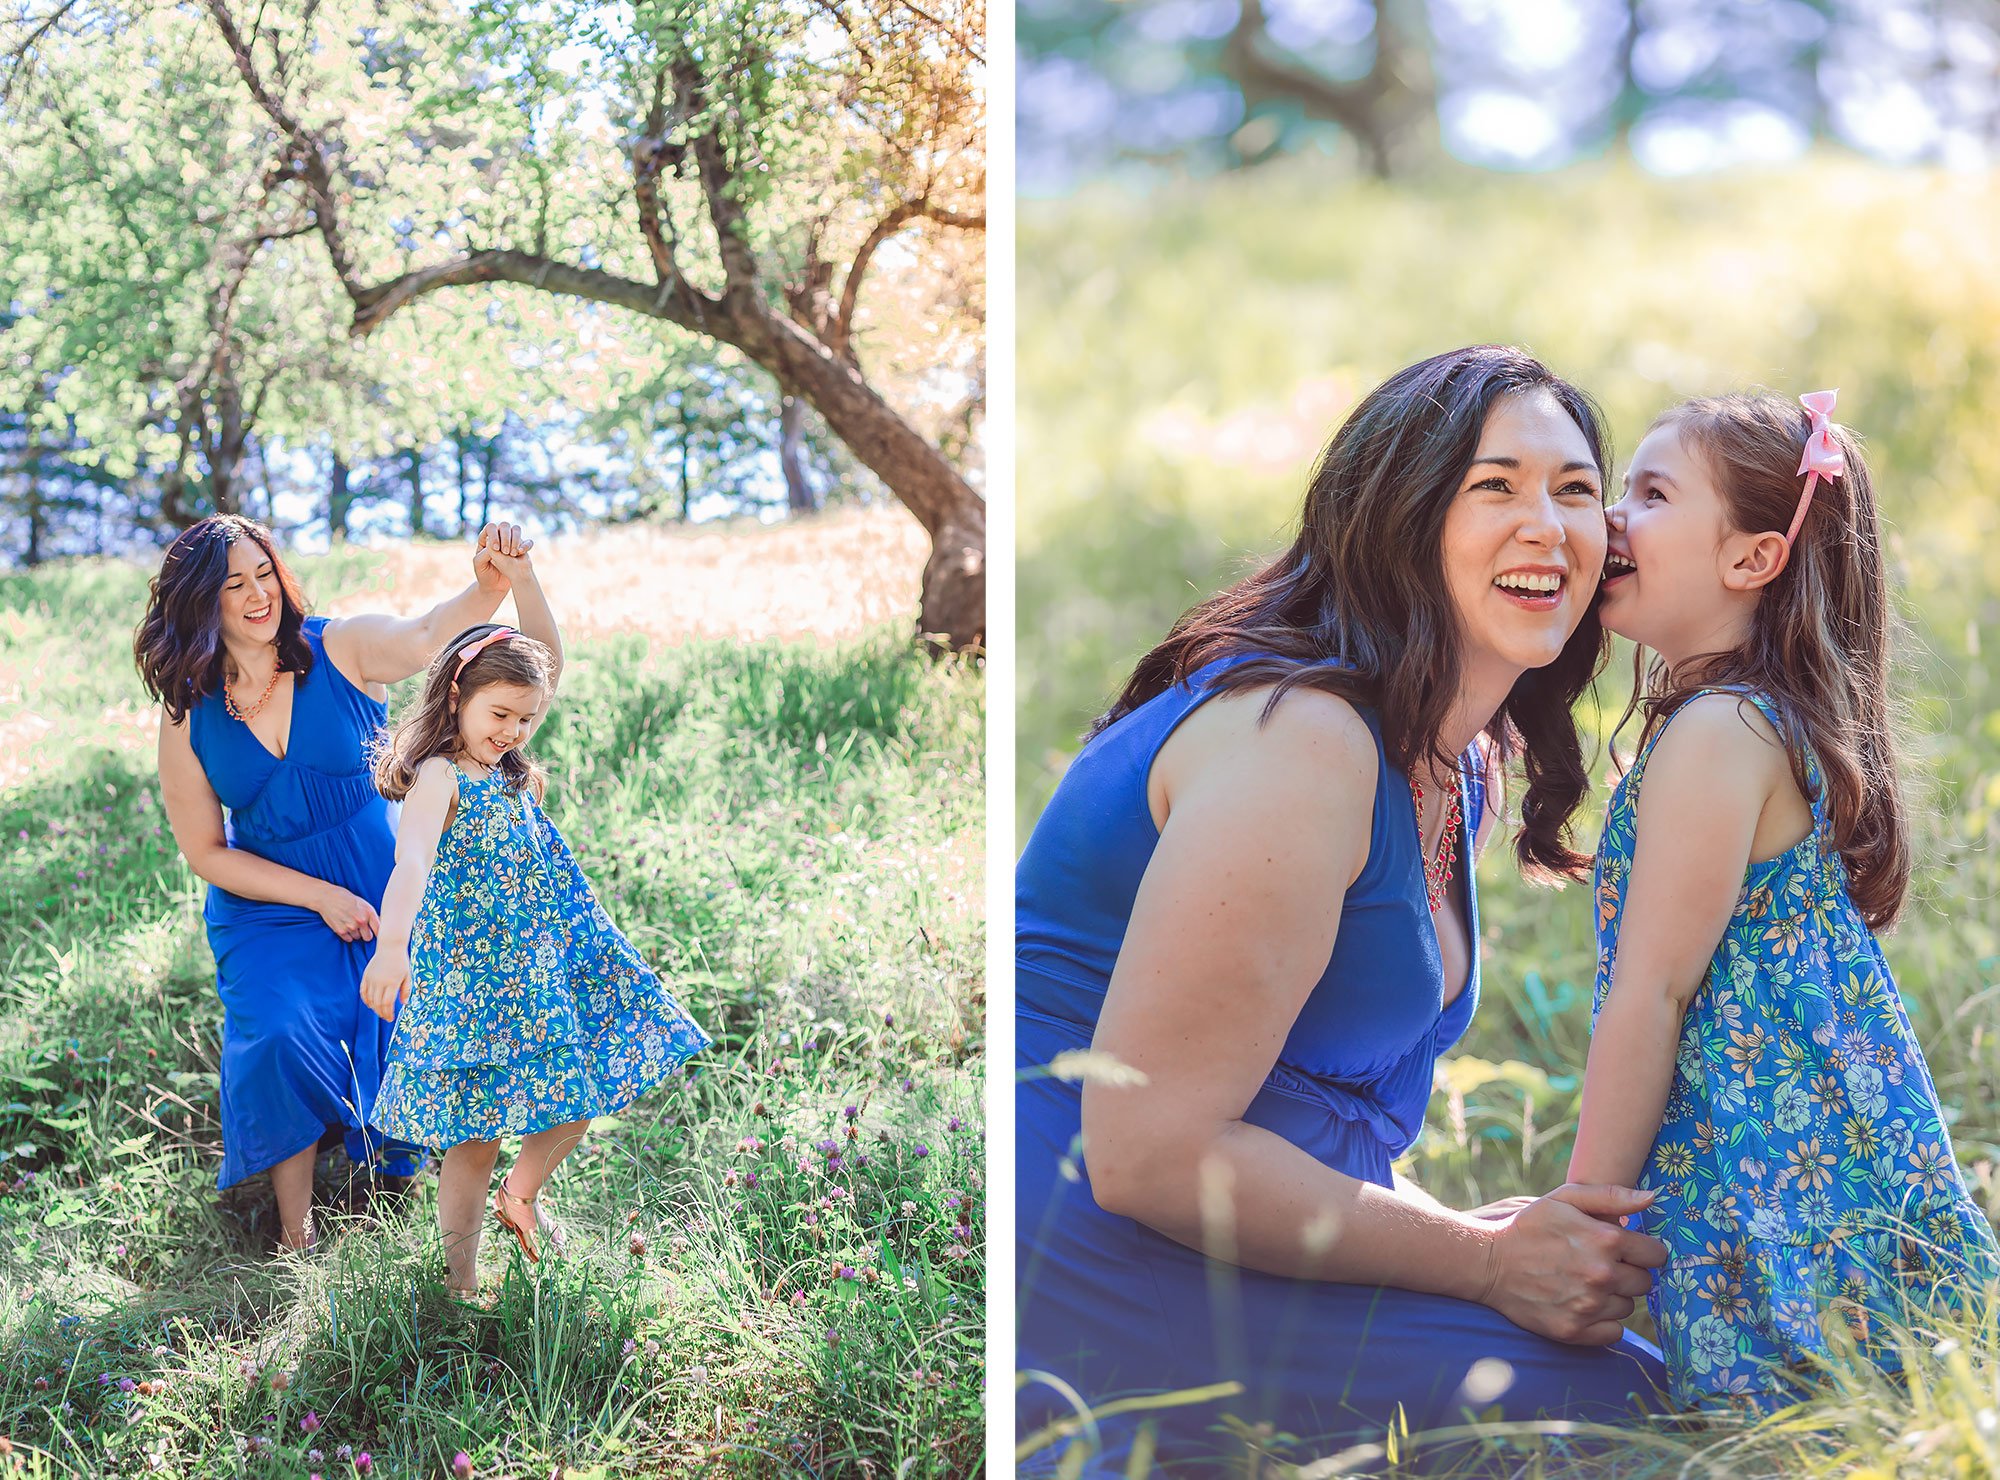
(1616,568)
(1536,590)
(263,614)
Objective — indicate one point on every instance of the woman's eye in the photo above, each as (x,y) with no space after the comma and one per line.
(1495,482)
(1583,490)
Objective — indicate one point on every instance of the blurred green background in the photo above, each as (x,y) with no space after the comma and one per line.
(1211,272)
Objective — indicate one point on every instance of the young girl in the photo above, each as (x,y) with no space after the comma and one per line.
(528,1012)
(1752,1064)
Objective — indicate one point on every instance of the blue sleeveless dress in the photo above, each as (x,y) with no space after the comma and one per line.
(527,1007)
(301,1052)
(1803,1167)
(1110,1308)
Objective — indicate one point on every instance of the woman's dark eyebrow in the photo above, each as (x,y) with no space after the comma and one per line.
(1501,461)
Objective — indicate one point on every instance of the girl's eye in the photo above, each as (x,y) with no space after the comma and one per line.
(1653,493)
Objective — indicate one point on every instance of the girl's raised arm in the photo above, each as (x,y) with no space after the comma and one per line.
(374,648)
(531,604)
(426,812)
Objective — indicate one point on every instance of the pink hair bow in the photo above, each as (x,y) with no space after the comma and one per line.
(1822,458)
(472,649)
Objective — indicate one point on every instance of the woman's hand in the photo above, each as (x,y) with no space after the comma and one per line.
(386,980)
(497,540)
(517,568)
(1559,1268)
(347,915)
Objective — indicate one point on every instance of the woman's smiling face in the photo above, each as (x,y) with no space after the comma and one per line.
(1524,538)
(252,598)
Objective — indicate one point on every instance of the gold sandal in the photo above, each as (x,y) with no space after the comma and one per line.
(525,1237)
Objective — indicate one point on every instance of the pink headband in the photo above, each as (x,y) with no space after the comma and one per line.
(472,649)
(1822,457)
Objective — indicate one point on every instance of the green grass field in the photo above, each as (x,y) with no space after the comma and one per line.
(777,1264)
(1185,354)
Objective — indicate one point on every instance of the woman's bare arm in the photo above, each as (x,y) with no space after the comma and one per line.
(1266,828)
(195,815)
(374,648)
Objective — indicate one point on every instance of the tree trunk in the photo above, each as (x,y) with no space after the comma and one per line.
(687,455)
(799,497)
(416,493)
(338,502)
(951,511)
(486,482)
(225,448)
(464,487)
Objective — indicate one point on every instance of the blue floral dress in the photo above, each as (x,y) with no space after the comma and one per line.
(1803,1168)
(527,1008)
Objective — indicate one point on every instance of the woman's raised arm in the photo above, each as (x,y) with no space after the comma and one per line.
(1266,826)
(374,648)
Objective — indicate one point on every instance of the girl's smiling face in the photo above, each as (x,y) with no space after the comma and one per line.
(497,718)
(1678,577)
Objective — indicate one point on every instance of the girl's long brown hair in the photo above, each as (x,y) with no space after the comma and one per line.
(1820,634)
(1364,583)
(430,727)
(178,645)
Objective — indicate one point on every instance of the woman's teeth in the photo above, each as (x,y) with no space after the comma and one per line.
(1522,581)
(1618,565)
(257,616)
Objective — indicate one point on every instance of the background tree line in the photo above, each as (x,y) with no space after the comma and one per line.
(381,267)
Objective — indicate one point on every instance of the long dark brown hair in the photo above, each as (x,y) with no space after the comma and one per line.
(430,726)
(1820,634)
(178,646)
(1363,583)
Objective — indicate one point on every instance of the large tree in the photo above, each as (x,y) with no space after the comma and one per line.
(730,167)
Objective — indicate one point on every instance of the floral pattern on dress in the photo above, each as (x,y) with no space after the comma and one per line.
(527,1007)
(1806,1180)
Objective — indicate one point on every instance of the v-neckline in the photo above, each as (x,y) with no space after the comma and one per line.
(291,724)
(1463,880)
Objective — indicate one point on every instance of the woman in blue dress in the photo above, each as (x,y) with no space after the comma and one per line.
(267,716)
(1246,931)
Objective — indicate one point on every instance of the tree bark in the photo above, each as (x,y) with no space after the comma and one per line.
(799,496)
(338,502)
(416,493)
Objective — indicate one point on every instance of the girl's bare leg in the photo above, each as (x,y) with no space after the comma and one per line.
(541,1154)
(463,1177)
(292,1181)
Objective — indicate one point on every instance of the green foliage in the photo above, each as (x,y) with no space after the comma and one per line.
(791,835)
(1227,327)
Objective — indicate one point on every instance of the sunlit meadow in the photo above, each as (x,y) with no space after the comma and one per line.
(777,1260)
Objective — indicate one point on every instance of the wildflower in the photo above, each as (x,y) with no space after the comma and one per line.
(861,1160)
(461,1465)
(832,1337)
(827,1148)
(888,1020)
(750,1144)
(798,1297)
(955,1123)
(310,1423)
(850,1111)
(698,1375)
(749,1179)
(280,1380)
(630,1346)
(314,1457)
(636,1245)
(834,1163)
(729,1177)
(909,1084)
(908,1207)
(344,1453)
(758,1109)
(41,1384)
(922,1150)
(117,1251)
(127,1385)
(364,1463)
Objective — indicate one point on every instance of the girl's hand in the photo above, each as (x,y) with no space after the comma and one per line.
(1495,1212)
(515,568)
(1558,1269)
(347,915)
(386,981)
(497,540)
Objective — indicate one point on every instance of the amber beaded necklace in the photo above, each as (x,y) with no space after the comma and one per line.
(236,711)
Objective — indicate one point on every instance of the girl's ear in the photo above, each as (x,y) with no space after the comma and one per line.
(1756,561)
(452,706)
